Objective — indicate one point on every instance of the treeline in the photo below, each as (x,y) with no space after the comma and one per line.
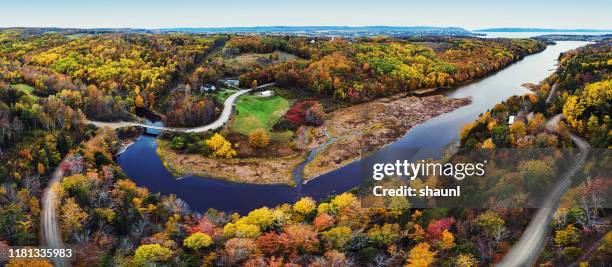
(364,69)
(268,44)
(107,75)
(583,94)
(35,134)
(580,89)
(121,64)
(111,221)
(184,109)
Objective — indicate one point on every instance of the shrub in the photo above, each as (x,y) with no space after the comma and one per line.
(259,138)
(571,253)
(308,112)
(178,143)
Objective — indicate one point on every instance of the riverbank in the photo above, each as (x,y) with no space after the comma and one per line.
(240,170)
(377,123)
(373,125)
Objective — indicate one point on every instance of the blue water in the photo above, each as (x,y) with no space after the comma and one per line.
(141,163)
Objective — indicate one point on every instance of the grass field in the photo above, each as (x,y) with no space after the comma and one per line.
(222,94)
(252,58)
(256,112)
(244,62)
(26,89)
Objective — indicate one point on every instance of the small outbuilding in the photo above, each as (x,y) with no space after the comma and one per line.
(511,120)
(266,93)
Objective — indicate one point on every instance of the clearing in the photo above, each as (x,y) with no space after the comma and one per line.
(223,93)
(29,90)
(254,112)
(245,62)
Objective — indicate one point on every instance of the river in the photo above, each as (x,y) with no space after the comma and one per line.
(142,165)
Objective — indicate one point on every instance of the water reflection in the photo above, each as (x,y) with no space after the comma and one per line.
(141,163)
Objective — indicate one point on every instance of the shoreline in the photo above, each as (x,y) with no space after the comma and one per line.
(385,127)
(378,131)
(265,171)
(397,131)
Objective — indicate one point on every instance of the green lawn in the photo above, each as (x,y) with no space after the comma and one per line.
(222,94)
(257,112)
(26,89)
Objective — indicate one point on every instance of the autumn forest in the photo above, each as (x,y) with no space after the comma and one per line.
(72,101)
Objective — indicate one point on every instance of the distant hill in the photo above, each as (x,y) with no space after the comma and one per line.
(539,30)
(302,30)
(330,29)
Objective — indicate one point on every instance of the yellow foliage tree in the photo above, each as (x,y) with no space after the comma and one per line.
(344,200)
(28,263)
(220,146)
(139,102)
(197,241)
(447,241)
(488,144)
(466,260)
(419,233)
(41,168)
(152,253)
(421,256)
(517,130)
(72,216)
(259,138)
(304,206)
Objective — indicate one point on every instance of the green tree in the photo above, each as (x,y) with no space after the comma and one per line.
(178,143)
(337,237)
(537,174)
(492,224)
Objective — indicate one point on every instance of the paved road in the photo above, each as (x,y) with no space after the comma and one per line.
(223,118)
(551,95)
(52,237)
(527,249)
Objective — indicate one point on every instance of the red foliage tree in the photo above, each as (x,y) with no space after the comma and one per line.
(323,221)
(308,112)
(435,229)
(296,239)
(204,225)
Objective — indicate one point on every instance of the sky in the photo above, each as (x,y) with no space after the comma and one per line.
(155,14)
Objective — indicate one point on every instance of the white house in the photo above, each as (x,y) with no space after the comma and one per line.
(207,88)
(511,120)
(231,82)
(266,93)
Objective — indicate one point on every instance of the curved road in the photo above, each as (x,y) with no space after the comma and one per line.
(218,123)
(52,237)
(551,95)
(527,249)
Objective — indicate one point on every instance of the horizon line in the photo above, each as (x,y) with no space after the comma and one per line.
(313,26)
